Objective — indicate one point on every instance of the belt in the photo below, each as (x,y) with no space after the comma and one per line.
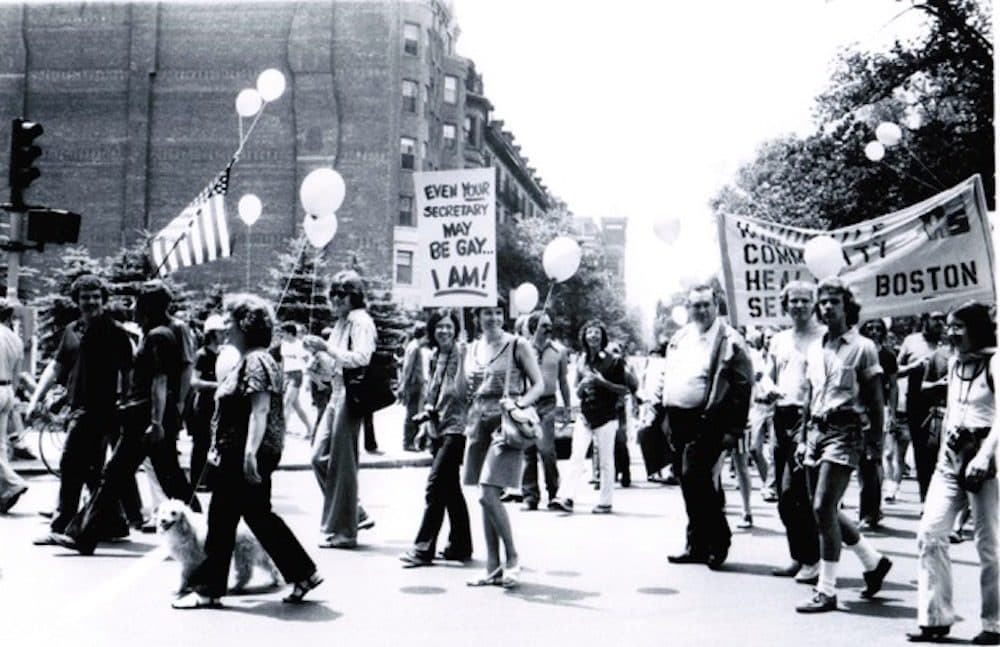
(545,399)
(835,416)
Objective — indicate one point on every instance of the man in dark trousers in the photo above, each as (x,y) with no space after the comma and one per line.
(149,421)
(94,357)
(914,355)
(705,388)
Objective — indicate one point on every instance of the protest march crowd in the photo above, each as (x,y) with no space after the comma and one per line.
(808,406)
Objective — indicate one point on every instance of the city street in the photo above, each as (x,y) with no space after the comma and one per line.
(588,580)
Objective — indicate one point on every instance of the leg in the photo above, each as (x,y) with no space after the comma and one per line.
(984,513)
(577,464)
(411,428)
(529,478)
(743,479)
(934,592)
(321,447)
(621,460)
(605,439)
(459,535)
(830,483)
(371,445)
(434,503)
(11,484)
(341,496)
(211,576)
(168,471)
(500,523)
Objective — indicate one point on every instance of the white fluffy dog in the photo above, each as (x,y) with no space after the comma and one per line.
(185,532)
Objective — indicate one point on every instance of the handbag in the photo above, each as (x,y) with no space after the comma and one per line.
(965,443)
(369,388)
(520,427)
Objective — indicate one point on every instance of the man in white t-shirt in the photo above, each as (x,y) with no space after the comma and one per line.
(294,360)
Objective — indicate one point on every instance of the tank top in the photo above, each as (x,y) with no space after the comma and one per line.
(971,402)
(487,371)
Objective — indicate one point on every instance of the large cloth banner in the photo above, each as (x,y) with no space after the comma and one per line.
(456,233)
(931,256)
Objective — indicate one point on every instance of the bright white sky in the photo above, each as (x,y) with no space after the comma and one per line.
(644,109)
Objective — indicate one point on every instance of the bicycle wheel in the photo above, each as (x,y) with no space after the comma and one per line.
(51,438)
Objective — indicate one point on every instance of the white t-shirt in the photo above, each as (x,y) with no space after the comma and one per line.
(293,355)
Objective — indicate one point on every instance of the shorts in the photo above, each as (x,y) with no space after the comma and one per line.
(487,460)
(838,442)
(293,378)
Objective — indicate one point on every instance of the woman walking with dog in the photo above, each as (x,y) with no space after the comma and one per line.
(249,429)
(445,412)
(504,377)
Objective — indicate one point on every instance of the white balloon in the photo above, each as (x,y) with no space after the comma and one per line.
(320,230)
(561,259)
(322,191)
(668,229)
(250,209)
(227,360)
(271,84)
(888,134)
(248,102)
(824,257)
(525,298)
(874,151)
(679,314)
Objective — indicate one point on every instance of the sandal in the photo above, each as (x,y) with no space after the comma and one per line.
(195,600)
(511,577)
(493,578)
(300,589)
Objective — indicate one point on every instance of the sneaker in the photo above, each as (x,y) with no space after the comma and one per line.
(747,522)
(874,577)
(366,524)
(602,509)
(23,454)
(529,505)
(819,603)
(9,502)
(71,543)
(768,495)
(45,540)
(987,638)
(566,505)
(808,574)
(554,505)
(510,497)
(412,558)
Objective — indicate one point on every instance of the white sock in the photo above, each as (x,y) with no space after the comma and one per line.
(869,556)
(827,577)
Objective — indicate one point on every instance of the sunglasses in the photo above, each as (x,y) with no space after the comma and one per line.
(338,293)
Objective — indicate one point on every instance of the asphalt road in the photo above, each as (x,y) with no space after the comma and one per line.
(589,580)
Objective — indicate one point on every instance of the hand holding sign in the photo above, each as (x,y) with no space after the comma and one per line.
(561,259)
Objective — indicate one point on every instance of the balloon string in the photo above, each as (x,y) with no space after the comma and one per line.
(923,166)
(239,119)
(312,290)
(245,136)
(545,309)
(291,275)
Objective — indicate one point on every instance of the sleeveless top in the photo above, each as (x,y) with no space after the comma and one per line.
(971,402)
(487,371)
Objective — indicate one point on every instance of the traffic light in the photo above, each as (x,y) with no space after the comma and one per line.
(52,226)
(23,154)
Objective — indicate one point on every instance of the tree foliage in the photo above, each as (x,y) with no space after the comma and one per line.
(939,88)
(299,276)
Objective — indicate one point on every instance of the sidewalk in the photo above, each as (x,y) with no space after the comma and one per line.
(297,454)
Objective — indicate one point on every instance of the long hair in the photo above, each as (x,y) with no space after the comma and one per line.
(435,319)
(978,323)
(593,323)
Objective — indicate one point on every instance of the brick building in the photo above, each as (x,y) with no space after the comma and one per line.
(137,101)
(609,235)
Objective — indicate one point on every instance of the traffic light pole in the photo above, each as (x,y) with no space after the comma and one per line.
(14,255)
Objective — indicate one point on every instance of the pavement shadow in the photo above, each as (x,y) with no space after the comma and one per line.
(422,590)
(879,608)
(308,611)
(899,553)
(858,583)
(886,531)
(563,573)
(758,531)
(748,569)
(553,595)
(657,590)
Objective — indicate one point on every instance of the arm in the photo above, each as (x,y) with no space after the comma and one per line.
(980,463)
(45,382)
(404,373)
(362,340)
(157,405)
(260,406)
(563,377)
(529,362)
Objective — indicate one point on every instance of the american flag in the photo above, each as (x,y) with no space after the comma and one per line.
(199,234)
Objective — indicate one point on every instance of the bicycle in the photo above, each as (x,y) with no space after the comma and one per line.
(49,422)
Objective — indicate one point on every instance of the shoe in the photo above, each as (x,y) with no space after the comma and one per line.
(410,448)
(530,506)
(330,542)
(955,537)
(148,528)
(671,480)
(868,525)
(366,524)
(928,634)
(411,558)
(455,557)
(566,505)
(375,452)
(493,578)
(874,578)
(70,542)
(196,601)
(45,540)
(808,574)
(510,497)
(986,638)
(715,560)
(788,571)
(9,502)
(687,558)
(46,514)
(511,577)
(746,523)
(23,454)
(601,509)
(769,496)
(626,480)
(819,603)
(300,589)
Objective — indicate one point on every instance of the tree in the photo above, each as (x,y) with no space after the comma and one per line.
(940,86)
(298,279)
(587,295)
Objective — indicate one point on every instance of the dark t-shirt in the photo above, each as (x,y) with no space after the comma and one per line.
(92,359)
(936,369)
(204,367)
(160,353)
(889,369)
(599,405)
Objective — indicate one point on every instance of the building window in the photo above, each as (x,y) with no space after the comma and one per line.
(471,133)
(407,150)
(405,211)
(410,92)
(448,135)
(404,267)
(451,89)
(411,38)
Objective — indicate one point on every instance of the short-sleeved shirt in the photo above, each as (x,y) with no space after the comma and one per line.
(11,352)
(598,404)
(293,355)
(936,369)
(186,339)
(160,353)
(92,358)
(788,354)
(914,346)
(836,368)
(257,372)
(689,356)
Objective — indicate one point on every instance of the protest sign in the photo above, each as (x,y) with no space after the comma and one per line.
(931,256)
(456,233)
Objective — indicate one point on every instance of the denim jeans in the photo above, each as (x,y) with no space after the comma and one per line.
(605,440)
(944,501)
(545,448)
(444,494)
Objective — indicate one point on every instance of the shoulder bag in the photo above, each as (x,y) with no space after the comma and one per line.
(369,388)
(520,427)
